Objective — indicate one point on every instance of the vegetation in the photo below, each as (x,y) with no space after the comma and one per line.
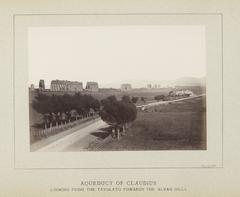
(61,108)
(143,99)
(179,126)
(160,98)
(171,93)
(118,113)
(134,99)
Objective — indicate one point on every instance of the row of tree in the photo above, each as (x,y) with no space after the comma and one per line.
(57,109)
(61,108)
(64,103)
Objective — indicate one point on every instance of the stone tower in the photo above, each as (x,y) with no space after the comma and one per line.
(32,87)
(41,84)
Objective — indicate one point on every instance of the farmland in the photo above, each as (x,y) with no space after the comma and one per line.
(176,126)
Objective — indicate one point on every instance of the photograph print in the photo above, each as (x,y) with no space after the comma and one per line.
(117,88)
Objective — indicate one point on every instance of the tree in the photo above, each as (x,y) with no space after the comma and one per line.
(41,103)
(143,99)
(171,93)
(134,100)
(118,113)
(59,104)
(109,110)
(159,97)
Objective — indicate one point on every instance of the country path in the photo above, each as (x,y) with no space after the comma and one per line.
(77,140)
(170,101)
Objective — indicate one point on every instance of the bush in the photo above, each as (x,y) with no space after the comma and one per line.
(159,98)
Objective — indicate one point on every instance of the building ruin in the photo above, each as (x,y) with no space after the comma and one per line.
(64,85)
(41,84)
(126,87)
(92,86)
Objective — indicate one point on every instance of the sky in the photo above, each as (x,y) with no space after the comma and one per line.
(112,54)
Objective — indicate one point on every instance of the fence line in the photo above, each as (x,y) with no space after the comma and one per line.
(38,134)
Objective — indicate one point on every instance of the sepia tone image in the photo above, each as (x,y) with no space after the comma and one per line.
(117,88)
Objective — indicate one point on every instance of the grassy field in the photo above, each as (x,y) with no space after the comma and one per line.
(148,94)
(176,126)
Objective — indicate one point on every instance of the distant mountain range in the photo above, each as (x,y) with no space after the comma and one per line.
(183,81)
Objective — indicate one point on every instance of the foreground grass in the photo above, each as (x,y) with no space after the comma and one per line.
(178,126)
